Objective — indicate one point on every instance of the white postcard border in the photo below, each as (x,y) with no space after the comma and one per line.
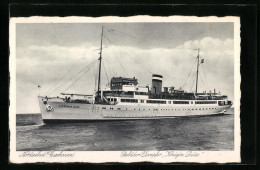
(124,156)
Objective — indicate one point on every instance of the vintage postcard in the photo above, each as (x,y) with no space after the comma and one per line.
(125,89)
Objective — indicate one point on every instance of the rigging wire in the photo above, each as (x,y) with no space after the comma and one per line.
(95,76)
(105,71)
(109,67)
(202,80)
(108,63)
(205,77)
(194,80)
(62,85)
(114,30)
(148,70)
(61,77)
(189,74)
(78,78)
(121,65)
(114,44)
(125,34)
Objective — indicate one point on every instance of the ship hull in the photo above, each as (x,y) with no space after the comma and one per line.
(58,111)
(61,121)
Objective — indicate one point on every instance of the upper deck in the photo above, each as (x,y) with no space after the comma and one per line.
(127,91)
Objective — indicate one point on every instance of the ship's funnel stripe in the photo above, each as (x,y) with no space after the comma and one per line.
(157,78)
(157,75)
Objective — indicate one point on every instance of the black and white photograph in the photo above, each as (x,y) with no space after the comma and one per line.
(158,89)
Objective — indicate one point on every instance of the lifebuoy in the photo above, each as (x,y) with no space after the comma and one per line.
(48,108)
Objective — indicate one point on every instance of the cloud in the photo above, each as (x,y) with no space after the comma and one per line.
(59,66)
(145,35)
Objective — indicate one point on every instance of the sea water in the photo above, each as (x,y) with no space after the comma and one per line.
(186,133)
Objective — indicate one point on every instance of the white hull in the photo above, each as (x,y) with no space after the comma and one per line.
(61,111)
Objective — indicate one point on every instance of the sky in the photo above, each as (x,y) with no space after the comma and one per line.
(63,57)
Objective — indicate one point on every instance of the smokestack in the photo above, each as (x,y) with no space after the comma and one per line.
(157,84)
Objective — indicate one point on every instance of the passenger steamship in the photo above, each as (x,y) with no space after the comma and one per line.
(125,99)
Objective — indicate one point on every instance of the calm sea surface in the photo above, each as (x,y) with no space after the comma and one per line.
(190,133)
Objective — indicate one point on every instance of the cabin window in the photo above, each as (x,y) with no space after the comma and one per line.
(191,102)
(169,102)
(180,102)
(103,107)
(141,93)
(142,101)
(115,99)
(129,100)
(118,108)
(156,101)
(221,103)
(206,102)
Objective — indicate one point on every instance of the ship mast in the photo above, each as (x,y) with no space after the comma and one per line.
(99,73)
(198,58)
